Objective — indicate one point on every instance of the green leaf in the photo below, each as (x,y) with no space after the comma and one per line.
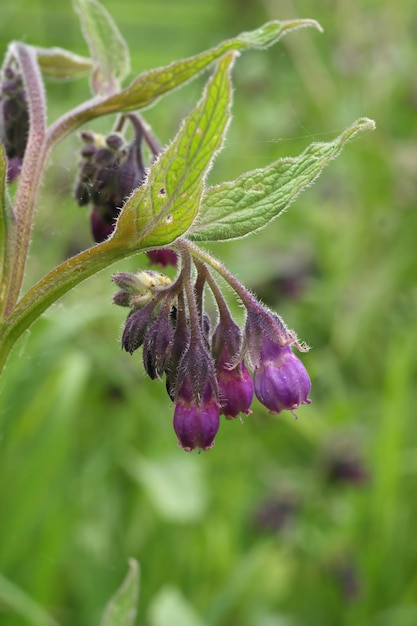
(238,208)
(60,64)
(122,607)
(107,47)
(166,205)
(149,86)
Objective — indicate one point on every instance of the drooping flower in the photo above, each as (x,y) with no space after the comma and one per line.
(235,382)
(280,379)
(197,414)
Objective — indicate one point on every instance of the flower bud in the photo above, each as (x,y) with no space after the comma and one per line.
(158,343)
(14,118)
(163,257)
(180,344)
(142,281)
(196,426)
(110,170)
(197,415)
(136,326)
(235,382)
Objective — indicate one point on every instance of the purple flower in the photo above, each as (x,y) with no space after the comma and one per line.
(235,390)
(196,425)
(197,413)
(235,382)
(281,381)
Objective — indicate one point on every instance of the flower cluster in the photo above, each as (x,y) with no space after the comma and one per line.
(205,370)
(111,168)
(109,171)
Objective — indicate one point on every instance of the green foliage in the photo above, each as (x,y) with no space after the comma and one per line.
(166,206)
(239,208)
(108,49)
(59,64)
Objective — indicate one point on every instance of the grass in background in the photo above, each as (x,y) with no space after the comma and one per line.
(283,523)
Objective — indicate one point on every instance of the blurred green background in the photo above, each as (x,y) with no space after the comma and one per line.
(284,522)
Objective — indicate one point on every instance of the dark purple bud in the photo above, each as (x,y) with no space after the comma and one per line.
(180,344)
(89,151)
(158,344)
(163,257)
(136,326)
(100,228)
(88,136)
(281,381)
(14,118)
(122,298)
(115,141)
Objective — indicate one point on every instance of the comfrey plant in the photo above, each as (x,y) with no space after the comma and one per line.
(163,207)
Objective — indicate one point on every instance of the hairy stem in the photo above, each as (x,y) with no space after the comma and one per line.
(30,177)
(197,253)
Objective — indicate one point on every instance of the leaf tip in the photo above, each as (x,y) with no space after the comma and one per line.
(294,24)
(367,123)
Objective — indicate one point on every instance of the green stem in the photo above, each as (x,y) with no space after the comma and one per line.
(53,286)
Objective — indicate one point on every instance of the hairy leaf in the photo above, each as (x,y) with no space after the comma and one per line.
(60,64)
(151,85)
(107,47)
(122,607)
(166,205)
(238,208)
